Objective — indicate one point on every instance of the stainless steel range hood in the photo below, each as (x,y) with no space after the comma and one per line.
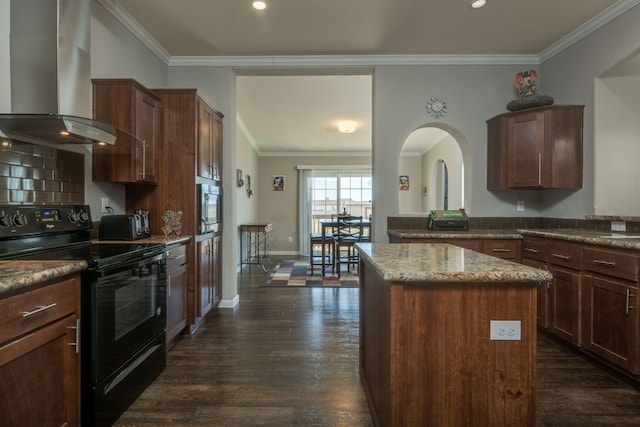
(51,75)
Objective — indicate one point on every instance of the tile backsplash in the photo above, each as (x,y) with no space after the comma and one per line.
(35,175)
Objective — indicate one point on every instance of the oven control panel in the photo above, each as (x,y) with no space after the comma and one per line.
(18,220)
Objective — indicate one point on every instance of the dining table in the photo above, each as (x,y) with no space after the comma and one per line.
(330,224)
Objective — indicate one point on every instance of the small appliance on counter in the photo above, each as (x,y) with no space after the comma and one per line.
(448,221)
(125,227)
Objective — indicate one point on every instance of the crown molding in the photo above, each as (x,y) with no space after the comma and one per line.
(317,61)
(131,24)
(587,28)
(315,154)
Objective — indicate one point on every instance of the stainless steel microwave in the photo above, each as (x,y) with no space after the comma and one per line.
(210,211)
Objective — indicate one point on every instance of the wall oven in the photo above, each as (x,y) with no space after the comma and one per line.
(210,210)
(123,302)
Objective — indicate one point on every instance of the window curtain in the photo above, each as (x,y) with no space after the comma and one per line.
(304,210)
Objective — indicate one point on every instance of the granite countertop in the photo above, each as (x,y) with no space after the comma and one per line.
(16,274)
(471,234)
(442,262)
(596,237)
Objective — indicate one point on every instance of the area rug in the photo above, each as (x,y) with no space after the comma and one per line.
(292,273)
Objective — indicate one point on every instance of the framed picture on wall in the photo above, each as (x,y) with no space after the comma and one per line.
(278,183)
(404,182)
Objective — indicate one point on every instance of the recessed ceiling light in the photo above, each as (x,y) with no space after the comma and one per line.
(477,4)
(347,126)
(259,4)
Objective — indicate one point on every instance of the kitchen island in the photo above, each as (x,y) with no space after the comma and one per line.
(427,356)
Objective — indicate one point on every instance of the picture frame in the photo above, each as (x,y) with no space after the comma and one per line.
(278,183)
(404,182)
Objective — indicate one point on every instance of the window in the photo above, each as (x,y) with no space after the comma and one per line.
(335,192)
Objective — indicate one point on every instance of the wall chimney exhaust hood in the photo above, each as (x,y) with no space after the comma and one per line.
(50,69)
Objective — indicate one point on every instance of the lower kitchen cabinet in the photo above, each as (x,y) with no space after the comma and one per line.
(39,359)
(564,304)
(177,280)
(611,320)
(208,288)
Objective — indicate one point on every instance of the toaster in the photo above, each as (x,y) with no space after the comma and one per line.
(124,227)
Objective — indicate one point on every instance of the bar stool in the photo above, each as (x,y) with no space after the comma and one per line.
(315,255)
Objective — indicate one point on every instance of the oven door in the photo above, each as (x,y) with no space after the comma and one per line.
(210,209)
(128,310)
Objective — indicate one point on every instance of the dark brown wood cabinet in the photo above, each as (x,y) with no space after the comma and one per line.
(209,142)
(536,148)
(183,129)
(209,285)
(128,105)
(534,254)
(177,279)
(39,356)
(610,306)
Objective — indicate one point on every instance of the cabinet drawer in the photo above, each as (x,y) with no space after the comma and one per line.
(506,249)
(25,312)
(534,249)
(176,256)
(564,254)
(615,264)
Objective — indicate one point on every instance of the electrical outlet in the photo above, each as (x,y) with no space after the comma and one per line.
(618,226)
(105,204)
(520,206)
(505,330)
(290,239)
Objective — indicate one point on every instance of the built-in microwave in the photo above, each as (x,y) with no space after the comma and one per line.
(210,208)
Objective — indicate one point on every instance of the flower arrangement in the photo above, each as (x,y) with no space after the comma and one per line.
(525,83)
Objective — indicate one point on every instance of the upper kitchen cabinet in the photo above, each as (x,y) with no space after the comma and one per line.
(209,142)
(536,148)
(128,105)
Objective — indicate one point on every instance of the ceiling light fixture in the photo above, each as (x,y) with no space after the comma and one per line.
(259,4)
(347,126)
(477,4)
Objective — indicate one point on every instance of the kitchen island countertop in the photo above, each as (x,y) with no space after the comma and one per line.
(442,262)
(412,233)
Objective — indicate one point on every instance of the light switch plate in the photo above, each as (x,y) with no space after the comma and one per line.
(520,206)
(618,226)
(505,330)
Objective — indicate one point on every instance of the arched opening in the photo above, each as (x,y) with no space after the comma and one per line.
(432,164)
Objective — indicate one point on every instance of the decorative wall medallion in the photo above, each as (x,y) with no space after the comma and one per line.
(436,107)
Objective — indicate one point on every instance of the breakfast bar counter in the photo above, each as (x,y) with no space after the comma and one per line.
(431,352)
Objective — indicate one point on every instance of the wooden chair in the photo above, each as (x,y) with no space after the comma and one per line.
(315,255)
(348,232)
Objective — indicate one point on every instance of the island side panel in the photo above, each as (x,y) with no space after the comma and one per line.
(448,371)
(375,361)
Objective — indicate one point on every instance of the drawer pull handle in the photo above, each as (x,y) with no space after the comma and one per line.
(501,250)
(628,305)
(564,257)
(38,310)
(535,251)
(605,263)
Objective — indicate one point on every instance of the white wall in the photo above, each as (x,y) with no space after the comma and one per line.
(410,201)
(5,55)
(248,162)
(448,151)
(570,78)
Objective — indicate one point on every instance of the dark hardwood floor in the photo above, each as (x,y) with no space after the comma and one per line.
(289,357)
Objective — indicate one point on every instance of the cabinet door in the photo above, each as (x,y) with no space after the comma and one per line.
(565,305)
(542,290)
(39,379)
(216,149)
(176,302)
(525,142)
(205,140)
(146,130)
(204,287)
(216,268)
(611,321)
